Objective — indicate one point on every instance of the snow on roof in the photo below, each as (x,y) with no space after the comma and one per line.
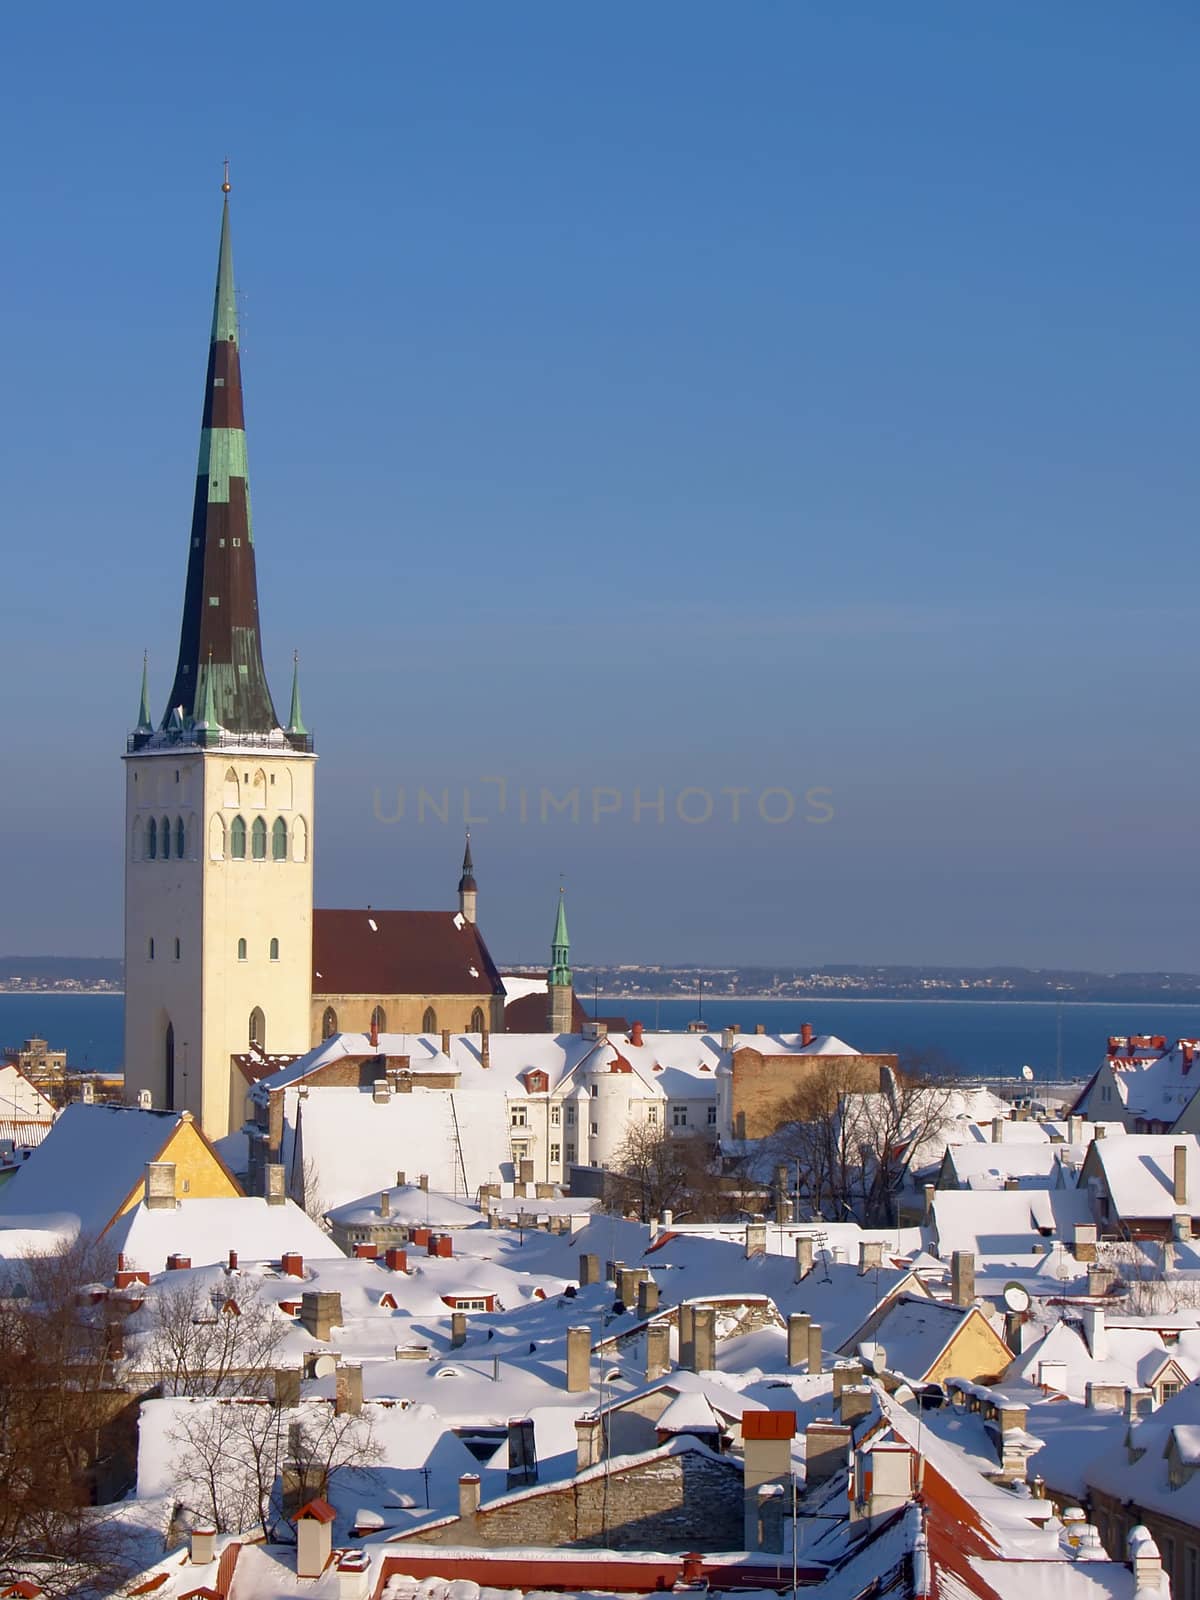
(519,984)
(689,1413)
(1139,1471)
(987,1165)
(1139,1173)
(1004,1223)
(914,1331)
(20,1099)
(90,1163)
(410,1205)
(206,1230)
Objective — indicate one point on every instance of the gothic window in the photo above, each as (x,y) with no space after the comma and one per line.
(233,790)
(279,840)
(328,1023)
(150,950)
(216,837)
(178,949)
(237,839)
(169,1065)
(164,837)
(299,840)
(151,839)
(283,789)
(274,949)
(429,1020)
(180,838)
(379,1019)
(258,1029)
(258,789)
(258,839)
(478,1025)
(241,949)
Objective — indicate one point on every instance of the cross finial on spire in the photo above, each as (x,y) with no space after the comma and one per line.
(226,185)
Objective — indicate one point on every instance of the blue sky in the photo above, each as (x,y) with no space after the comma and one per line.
(683,397)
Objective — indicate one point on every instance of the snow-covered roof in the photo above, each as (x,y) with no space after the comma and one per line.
(409,1205)
(1138,1172)
(914,1331)
(206,1230)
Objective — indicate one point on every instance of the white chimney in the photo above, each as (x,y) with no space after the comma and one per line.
(1096,1332)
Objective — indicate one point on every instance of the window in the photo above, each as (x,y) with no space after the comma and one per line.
(555,1116)
(1167,1391)
(570,1116)
(237,839)
(178,949)
(328,1023)
(429,1020)
(594,1091)
(180,838)
(300,840)
(150,951)
(652,1114)
(233,790)
(555,1154)
(216,838)
(478,1025)
(516,1118)
(279,851)
(274,949)
(258,839)
(712,1116)
(164,838)
(469,1305)
(379,1019)
(595,1129)
(258,1029)
(570,1152)
(151,839)
(679,1116)
(241,949)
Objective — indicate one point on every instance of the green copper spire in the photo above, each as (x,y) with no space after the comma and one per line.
(145,723)
(224,324)
(560,948)
(207,729)
(296,719)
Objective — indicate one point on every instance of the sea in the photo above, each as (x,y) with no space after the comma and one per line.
(982,1038)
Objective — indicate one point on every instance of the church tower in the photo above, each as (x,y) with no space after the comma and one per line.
(468,889)
(218,806)
(559,982)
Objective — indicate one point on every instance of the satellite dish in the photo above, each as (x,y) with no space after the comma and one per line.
(1027,1073)
(1016,1297)
(324,1366)
(878,1360)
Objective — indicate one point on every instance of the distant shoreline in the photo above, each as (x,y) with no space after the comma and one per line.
(1148,1002)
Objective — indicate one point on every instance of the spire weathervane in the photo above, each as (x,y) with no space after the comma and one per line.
(226,185)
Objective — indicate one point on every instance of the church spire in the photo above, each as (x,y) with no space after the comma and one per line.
(467,887)
(559,980)
(296,719)
(145,727)
(219,640)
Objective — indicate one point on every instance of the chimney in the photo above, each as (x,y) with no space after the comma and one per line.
(962,1278)
(997,1130)
(485,1049)
(349,1396)
(928,1190)
(826,1450)
(458,1329)
(658,1350)
(204,1541)
(804,1255)
(589,1442)
(365,1250)
(320,1312)
(178,1263)
(846,1374)
(522,1452)
(276,1184)
(286,1385)
(636,1034)
(233,1261)
(728,1035)
(292,1265)
(687,1336)
(87,1092)
(1074,1130)
(144,1101)
(445,1041)
(756,1238)
(468,1496)
(589,1270)
(381,1091)
(1095,1332)
(579,1360)
(160,1186)
(396,1258)
(314,1539)
(647,1298)
(814,1348)
(797,1339)
(385,1203)
(704,1331)
(374,1035)
(353,1575)
(1083,1242)
(856,1400)
(870,1255)
(1181,1175)
(766,1466)
(806,1035)
(423,1183)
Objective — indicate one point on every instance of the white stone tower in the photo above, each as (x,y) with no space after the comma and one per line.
(218,808)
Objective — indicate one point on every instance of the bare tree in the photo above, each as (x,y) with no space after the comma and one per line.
(218,1339)
(314,1202)
(232,1455)
(60,1423)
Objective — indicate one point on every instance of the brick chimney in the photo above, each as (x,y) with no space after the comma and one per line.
(292,1264)
(636,1034)
(374,1034)
(1180,1194)
(806,1034)
(589,1442)
(962,1277)
(804,1255)
(445,1041)
(468,1496)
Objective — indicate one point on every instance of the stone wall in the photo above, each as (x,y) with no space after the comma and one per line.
(761,1085)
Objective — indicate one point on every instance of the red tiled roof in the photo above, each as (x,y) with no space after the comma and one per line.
(400,952)
(320,1509)
(530,1013)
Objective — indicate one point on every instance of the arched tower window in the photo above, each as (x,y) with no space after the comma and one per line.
(379,1019)
(283,790)
(258,1029)
(279,840)
(169,1065)
(151,839)
(237,839)
(478,1025)
(258,839)
(180,838)
(258,789)
(233,790)
(328,1023)
(241,949)
(299,840)
(429,1020)
(164,838)
(216,837)
(274,949)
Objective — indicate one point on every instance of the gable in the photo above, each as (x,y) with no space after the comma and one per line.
(200,1174)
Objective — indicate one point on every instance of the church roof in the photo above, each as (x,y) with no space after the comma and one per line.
(400,952)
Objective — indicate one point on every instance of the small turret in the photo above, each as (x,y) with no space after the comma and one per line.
(559,981)
(295,728)
(145,723)
(468,889)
